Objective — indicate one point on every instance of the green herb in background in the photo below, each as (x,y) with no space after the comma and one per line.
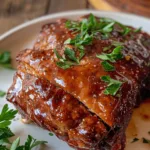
(2,93)
(113,85)
(15,144)
(29,144)
(2,147)
(135,140)
(5,133)
(5,59)
(6,116)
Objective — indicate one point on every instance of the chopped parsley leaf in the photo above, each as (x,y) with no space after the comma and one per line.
(113,85)
(5,133)
(107,48)
(113,56)
(107,66)
(138,30)
(63,62)
(5,59)
(2,93)
(51,134)
(6,116)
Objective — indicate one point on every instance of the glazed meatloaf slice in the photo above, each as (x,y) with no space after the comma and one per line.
(96,94)
(55,110)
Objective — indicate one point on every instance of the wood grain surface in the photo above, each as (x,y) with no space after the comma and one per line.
(141,7)
(15,12)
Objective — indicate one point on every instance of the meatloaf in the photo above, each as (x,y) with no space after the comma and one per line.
(82,79)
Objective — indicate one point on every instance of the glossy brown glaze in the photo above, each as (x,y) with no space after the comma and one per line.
(81,84)
(52,108)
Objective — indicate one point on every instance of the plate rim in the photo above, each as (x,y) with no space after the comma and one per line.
(67,13)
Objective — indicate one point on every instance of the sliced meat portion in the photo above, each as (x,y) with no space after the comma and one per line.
(52,108)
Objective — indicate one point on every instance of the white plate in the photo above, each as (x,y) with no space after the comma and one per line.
(24,35)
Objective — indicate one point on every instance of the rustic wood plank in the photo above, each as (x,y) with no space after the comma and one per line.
(14,12)
(64,5)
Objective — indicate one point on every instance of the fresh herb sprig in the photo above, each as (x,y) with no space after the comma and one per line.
(112,85)
(51,134)
(29,144)
(5,134)
(5,59)
(6,116)
(138,30)
(113,44)
(68,60)
(107,66)
(116,54)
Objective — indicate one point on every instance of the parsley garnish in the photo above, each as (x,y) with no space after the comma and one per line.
(146,140)
(107,66)
(2,147)
(114,43)
(15,144)
(113,56)
(135,140)
(107,48)
(113,85)
(88,29)
(124,29)
(5,133)
(5,59)
(29,144)
(63,62)
(51,134)
(2,93)
(138,30)
(6,116)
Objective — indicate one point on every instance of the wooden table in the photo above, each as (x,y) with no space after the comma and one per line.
(15,12)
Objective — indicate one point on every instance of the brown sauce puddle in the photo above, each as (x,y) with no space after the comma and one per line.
(141,113)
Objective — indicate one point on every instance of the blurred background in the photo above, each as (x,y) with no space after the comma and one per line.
(15,12)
